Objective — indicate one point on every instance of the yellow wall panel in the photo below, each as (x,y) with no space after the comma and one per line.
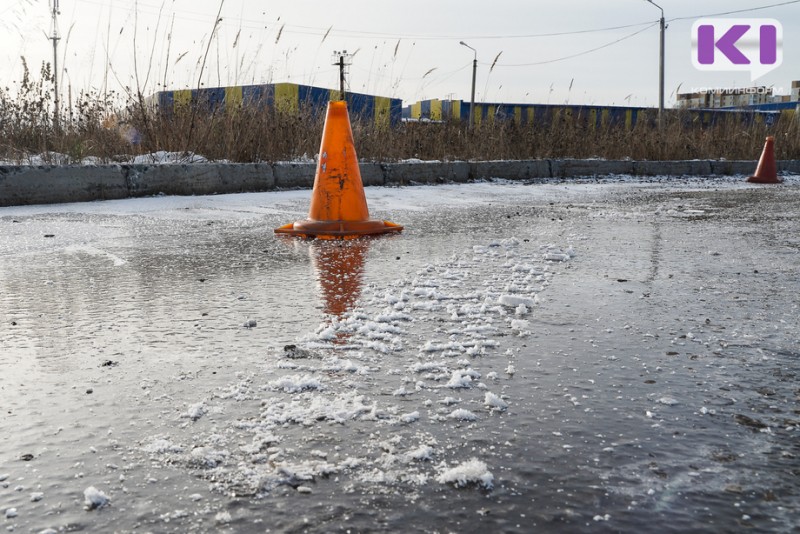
(383,107)
(287,96)
(456,111)
(436,110)
(182,97)
(233,98)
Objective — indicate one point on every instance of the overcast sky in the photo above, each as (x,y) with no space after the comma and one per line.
(407,49)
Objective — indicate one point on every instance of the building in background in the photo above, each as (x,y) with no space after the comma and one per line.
(589,117)
(281,96)
(759,97)
(530,114)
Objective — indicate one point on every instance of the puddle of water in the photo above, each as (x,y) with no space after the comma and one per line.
(643,381)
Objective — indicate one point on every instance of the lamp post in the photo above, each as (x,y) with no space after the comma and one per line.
(474,70)
(660,67)
(55,38)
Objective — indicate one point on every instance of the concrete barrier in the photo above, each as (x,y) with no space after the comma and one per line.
(290,175)
(789,165)
(198,179)
(425,172)
(509,170)
(372,174)
(570,168)
(727,168)
(21,185)
(673,168)
(243,177)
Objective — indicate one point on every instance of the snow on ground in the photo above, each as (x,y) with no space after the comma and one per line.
(412,360)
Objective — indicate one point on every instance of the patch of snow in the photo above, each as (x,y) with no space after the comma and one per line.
(462,415)
(471,471)
(494,402)
(94,498)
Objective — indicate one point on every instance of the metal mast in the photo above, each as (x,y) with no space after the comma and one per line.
(55,38)
(342,60)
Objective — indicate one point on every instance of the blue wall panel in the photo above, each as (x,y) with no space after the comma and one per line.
(361,106)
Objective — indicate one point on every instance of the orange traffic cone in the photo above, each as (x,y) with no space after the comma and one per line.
(338,205)
(767,171)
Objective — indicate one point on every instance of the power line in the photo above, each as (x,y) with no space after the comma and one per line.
(579,53)
(361,34)
(737,11)
(422,37)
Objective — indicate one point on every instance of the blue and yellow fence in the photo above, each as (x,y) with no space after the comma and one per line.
(282,96)
(592,117)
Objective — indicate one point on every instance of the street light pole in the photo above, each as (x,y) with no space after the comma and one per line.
(474,70)
(55,38)
(660,66)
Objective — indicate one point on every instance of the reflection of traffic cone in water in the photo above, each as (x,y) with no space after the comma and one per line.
(338,205)
(340,268)
(767,171)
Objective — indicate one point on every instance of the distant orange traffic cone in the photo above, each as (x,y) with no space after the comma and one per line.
(338,205)
(767,171)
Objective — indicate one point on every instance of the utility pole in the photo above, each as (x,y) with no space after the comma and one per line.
(474,70)
(662,25)
(55,38)
(342,60)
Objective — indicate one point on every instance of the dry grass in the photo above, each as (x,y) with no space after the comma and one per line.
(109,129)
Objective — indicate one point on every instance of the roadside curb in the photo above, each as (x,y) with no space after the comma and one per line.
(23,184)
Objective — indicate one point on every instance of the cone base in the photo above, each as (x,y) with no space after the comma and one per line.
(764,180)
(338,229)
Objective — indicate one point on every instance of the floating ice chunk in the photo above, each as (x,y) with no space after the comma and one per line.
(409,418)
(515,301)
(525,268)
(250,323)
(422,453)
(195,411)
(162,446)
(554,256)
(208,457)
(37,496)
(471,471)
(494,402)
(94,498)
(462,379)
(605,517)
(11,512)
(519,324)
(401,392)
(289,384)
(462,415)
(669,401)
